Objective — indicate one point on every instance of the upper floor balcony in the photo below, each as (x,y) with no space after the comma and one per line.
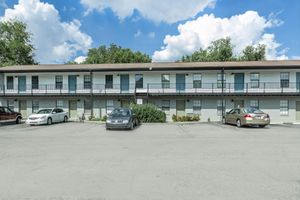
(253,88)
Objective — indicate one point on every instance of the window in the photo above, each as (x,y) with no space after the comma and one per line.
(87,82)
(254,80)
(34,82)
(7,110)
(284,79)
(165,105)
(219,83)
(58,82)
(35,106)
(197,80)
(284,107)
(197,107)
(11,104)
(109,106)
(254,104)
(2,110)
(59,103)
(165,80)
(108,81)
(139,81)
(219,107)
(10,82)
(87,107)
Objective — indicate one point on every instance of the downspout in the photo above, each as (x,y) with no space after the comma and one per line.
(92,93)
(222,74)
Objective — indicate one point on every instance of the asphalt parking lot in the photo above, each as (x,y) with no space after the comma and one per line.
(154,161)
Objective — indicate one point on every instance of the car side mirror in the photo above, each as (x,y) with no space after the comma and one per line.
(53,112)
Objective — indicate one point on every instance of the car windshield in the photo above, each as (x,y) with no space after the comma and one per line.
(44,111)
(120,113)
(253,110)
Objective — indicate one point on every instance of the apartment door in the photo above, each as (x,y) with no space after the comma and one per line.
(180,82)
(22,83)
(124,81)
(73,109)
(23,108)
(298,110)
(72,83)
(298,80)
(239,82)
(180,107)
(238,103)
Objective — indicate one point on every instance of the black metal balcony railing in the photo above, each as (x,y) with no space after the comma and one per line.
(228,88)
(154,88)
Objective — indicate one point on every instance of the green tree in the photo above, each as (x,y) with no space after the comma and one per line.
(115,54)
(222,50)
(219,50)
(251,53)
(15,44)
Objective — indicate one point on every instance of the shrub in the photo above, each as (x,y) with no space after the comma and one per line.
(104,118)
(148,113)
(185,118)
(174,118)
(93,118)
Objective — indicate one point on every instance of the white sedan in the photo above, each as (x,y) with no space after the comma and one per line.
(47,116)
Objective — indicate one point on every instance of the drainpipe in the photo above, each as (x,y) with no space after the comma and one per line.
(92,93)
(222,74)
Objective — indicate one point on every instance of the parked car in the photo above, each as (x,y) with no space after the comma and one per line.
(47,116)
(7,115)
(246,117)
(122,118)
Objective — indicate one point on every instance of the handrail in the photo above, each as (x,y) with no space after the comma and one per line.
(154,88)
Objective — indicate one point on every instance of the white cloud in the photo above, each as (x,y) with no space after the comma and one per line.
(55,41)
(244,29)
(80,59)
(151,35)
(137,34)
(296,57)
(169,11)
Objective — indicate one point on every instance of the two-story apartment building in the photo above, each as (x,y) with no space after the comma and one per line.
(205,89)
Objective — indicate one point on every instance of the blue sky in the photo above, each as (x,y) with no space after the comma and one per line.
(90,23)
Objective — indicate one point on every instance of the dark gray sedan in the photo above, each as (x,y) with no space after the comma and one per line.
(121,118)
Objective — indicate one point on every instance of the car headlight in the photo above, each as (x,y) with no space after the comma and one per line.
(43,117)
(108,121)
(125,121)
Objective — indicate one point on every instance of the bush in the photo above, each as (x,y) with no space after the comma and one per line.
(148,113)
(93,118)
(104,118)
(174,118)
(194,118)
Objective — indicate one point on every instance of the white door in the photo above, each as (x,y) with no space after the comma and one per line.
(55,115)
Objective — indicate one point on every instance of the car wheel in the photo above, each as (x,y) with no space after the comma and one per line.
(18,120)
(65,119)
(49,121)
(238,123)
(136,123)
(131,125)
(224,120)
(262,126)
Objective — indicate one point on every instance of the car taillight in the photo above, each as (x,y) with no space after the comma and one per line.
(247,116)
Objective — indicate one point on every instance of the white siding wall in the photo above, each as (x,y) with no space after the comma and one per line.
(154,77)
(270,105)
